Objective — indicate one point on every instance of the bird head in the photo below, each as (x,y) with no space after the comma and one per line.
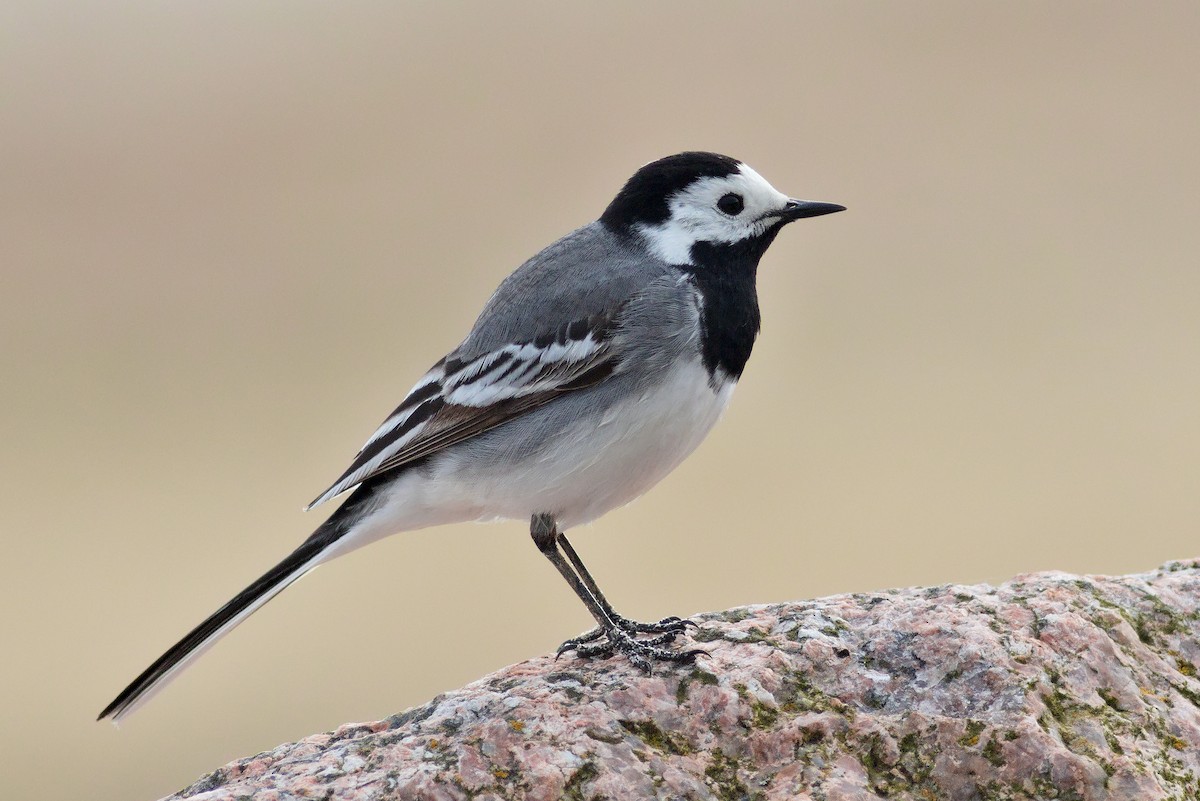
(679,201)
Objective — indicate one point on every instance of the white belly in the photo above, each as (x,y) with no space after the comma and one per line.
(635,446)
(595,466)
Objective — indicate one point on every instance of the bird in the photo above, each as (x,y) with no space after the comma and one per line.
(593,370)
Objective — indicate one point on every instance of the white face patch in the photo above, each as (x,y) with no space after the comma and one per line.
(695,216)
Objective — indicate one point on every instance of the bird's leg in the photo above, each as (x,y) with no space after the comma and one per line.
(614,633)
(668,625)
(545,535)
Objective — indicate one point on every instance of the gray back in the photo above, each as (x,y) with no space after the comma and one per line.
(590,271)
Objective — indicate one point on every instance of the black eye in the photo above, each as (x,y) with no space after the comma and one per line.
(731,204)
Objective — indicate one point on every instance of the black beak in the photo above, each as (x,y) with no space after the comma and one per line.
(795,209)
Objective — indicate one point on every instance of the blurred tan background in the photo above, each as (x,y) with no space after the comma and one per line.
(235,234)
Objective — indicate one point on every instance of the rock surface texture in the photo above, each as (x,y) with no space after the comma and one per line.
(1049,686)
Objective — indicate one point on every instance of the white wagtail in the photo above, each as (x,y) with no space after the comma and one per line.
(591,373)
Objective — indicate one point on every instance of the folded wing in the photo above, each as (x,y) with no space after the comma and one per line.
(460,398)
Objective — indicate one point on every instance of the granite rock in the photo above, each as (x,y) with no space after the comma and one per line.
(1048,686)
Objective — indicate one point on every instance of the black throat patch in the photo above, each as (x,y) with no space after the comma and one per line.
(725,276)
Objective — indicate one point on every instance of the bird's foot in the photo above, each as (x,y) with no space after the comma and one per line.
(622,638)
(669,628)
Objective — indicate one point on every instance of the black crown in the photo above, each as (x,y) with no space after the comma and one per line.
(644,197)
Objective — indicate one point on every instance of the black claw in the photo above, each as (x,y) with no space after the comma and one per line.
(595,649)
(575,642)
(569,645)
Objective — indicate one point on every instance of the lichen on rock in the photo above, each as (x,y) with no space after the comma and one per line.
(1048,686)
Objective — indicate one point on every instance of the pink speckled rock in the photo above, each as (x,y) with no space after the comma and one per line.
(1050,686)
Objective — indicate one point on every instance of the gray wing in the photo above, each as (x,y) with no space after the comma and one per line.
(550,328)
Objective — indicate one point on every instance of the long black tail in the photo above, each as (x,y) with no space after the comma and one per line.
(310,554)
(332,538)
